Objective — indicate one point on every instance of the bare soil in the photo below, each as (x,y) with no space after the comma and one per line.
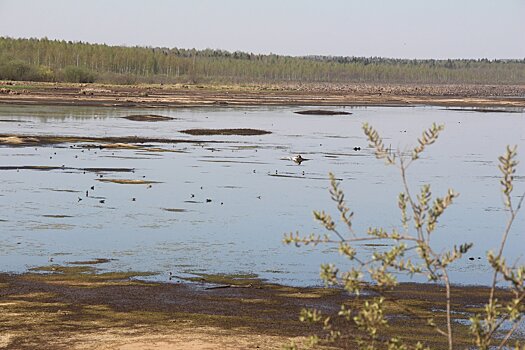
(148,118)
(74,307)
(32,93)
(103,142)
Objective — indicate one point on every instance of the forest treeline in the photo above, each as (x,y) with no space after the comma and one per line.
(55,60)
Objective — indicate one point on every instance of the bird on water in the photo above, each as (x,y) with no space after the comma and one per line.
(298,159)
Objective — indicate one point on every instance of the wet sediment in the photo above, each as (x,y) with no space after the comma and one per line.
(292,94)
(67,301)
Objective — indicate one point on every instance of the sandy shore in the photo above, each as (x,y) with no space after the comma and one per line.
(28,93)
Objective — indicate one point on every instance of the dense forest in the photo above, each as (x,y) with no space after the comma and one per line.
(54,60)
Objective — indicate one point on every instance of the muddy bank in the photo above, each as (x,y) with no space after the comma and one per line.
(128,181)
(65,305)
(147,118)
(487,110)
(50,168)
(293,94)
(321,112)
(110,142)
(238,132)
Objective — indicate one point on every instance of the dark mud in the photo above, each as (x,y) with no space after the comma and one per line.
(175,210)
(321,112)
(59,302)
(237,132)
(129,181)
(64,168)
(148,118)
(487,110)
(91,262)
(13,121)
(43,140)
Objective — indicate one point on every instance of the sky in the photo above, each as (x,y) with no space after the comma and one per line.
(388,28)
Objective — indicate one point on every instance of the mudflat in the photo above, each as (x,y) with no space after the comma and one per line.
(328,94)
(77,307)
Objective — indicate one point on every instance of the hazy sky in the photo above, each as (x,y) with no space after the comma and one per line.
(391,28)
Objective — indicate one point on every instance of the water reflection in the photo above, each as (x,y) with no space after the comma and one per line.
(223,207)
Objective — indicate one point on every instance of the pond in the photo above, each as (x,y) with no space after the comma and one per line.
(221,203)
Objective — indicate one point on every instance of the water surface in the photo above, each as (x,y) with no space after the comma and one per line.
(256,196)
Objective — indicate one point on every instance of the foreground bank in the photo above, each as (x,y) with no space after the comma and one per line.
(74,307)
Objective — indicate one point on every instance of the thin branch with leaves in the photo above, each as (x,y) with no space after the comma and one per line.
(377,273)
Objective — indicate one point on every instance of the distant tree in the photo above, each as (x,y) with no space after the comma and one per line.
(146,64)
(74,74)
(18,70)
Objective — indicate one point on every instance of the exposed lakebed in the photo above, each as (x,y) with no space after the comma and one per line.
(81,183)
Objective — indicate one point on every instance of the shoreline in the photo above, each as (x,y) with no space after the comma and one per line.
(75,307)
(183,95)
(79,307)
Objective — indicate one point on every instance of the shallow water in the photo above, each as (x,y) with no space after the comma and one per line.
(256,195)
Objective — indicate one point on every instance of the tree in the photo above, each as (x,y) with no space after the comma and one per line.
(376,272)
(74,74)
